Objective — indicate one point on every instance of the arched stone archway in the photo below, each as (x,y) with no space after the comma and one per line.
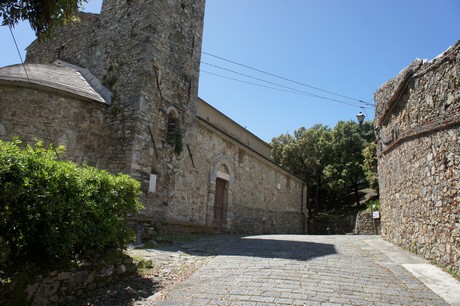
(221,166)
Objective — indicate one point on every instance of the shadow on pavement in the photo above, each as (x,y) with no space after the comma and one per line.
(254,246)
(138,287)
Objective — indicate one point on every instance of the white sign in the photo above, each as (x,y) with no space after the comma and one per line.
(376,214)
(153,183)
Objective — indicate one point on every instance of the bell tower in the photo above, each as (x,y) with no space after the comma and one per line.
(151,51)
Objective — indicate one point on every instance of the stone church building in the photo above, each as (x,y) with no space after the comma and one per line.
(120,90)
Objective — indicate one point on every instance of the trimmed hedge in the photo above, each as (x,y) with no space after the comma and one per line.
(53,209)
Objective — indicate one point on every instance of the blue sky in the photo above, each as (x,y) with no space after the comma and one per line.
(346,47)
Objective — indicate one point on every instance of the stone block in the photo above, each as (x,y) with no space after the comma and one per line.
(77,279)
(63,276)
(91,277)
(107,271)
(121,269)
(31,290)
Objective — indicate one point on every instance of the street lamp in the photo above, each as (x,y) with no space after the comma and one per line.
(360,118)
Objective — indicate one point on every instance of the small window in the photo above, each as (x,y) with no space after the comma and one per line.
(241,155)
(172,127)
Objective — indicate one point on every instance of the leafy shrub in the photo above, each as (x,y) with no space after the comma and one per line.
(373,205)
(53,209)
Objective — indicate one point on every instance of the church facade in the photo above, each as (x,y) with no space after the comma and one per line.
(120,91)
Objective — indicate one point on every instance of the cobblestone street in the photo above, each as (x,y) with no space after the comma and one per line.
(302,270)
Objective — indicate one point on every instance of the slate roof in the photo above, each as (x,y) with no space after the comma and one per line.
(59,76)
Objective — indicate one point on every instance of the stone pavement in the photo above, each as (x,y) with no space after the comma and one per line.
(309,270)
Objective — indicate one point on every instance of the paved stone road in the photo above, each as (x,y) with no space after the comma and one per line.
(298,270)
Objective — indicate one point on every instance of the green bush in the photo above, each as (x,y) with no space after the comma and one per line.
(373,205)
(52,209)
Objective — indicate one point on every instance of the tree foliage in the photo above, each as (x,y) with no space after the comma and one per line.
(370,165)
(43,15)
(330,161)
(56,210)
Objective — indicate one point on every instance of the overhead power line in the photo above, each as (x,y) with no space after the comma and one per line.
(286,79)
(289,90)
(281,88)
(30,84)
(260,71)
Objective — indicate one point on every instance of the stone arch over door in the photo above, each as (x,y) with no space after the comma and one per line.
(221,178)
(217,164)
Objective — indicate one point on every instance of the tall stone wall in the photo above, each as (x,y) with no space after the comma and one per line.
(418,134)
(78,125)
(262,197)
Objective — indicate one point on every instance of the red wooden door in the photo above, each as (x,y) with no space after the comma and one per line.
(219,202)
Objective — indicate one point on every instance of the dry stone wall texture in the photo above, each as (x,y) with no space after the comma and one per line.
(260,196)
(418,131)
(366,224)
(65,287)
(78,125)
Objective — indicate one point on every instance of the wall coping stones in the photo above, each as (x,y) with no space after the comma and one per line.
(105,93)
(57,77)
(387,95)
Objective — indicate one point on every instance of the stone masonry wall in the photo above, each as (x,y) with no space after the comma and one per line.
(262,198)
(332,224)
(366,224)
(418,134)
(78,125)
(64,287)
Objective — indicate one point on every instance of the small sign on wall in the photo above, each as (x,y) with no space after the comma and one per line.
(376,214)
(153,183)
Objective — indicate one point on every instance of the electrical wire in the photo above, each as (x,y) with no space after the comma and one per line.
(293,91)
(290,89)
(30,84)
(261,71)
(286,79)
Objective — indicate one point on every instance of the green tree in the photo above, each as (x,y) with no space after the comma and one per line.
(278,146)
(330,161)
(345,171)
(370,165)
(43,15)
(305,154)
